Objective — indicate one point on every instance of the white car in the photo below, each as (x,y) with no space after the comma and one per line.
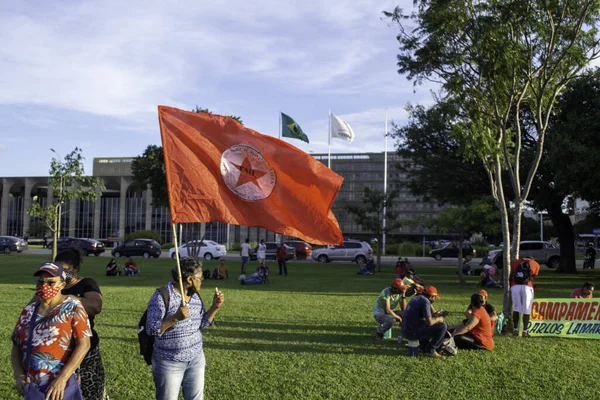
(208,251)
(351,250)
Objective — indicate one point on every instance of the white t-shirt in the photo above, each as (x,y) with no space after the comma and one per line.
(262,250)
(245,250)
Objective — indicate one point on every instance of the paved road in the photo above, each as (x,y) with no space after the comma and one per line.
(386,260)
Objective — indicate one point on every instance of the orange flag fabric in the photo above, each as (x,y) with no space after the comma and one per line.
(219,170)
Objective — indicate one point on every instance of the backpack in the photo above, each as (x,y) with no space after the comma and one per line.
(147,341)
(522,273)
(448,347)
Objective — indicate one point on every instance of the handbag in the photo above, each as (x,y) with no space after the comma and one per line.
(32,390)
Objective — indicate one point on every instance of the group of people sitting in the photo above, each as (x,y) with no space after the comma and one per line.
(259,277)
(421,322)
(130,268)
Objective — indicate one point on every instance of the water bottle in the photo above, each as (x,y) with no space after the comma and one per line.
(388,334)
(413,348)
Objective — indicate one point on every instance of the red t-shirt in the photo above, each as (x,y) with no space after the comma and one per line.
(483,331)
(577,294)
(533,265)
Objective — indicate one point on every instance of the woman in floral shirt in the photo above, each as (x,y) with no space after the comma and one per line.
(60,340)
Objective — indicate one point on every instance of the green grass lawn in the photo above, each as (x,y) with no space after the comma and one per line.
(310,336)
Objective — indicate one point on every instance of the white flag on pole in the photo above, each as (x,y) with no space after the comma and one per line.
(341,129)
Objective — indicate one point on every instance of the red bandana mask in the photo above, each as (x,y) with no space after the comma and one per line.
(46,292)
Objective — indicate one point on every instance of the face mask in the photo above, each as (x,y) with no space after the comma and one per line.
(69,275)
(46,292)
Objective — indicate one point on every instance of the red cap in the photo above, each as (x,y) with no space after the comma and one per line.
(432,291)
(482,292)
(397,283)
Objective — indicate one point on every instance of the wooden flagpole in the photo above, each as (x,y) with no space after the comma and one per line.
(175,242)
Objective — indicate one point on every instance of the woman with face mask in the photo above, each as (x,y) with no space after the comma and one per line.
(178,356)
(51,338)
(88,292)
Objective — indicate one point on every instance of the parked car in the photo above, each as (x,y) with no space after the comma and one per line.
(450,250)
(61,244)
(87,246)
(303,249)
(9,244)
(542,252)
(139,247)
(351,250)
(208,250)
(271,253)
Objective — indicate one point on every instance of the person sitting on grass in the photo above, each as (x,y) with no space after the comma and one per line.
(362,269)
(414,284)
(222,272)
(259,277)
(402,267)
(131,268)
(486,279)
(488,308)
(388,300)
(585,292)
(419,323)
(477,332)
(112,268)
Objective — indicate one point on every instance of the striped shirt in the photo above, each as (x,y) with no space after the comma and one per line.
(182,341)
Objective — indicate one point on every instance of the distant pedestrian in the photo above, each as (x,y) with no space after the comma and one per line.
(26,238)
(45,241)
(261,252)
(245,253)
(281,259)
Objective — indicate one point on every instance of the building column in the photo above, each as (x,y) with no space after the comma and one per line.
(26,205)
(73,212)
(125,182)
(148,226)
(97,211)
(6,185)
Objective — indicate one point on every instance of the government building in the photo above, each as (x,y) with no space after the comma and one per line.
(124,208)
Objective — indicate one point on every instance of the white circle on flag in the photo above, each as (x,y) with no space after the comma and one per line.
(246,173)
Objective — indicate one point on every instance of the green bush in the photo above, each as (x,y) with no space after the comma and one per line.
(143,235)
(482,250)
(233,247)
(166,246)
(408,249)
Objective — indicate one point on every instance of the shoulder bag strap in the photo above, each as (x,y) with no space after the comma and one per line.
(32,325)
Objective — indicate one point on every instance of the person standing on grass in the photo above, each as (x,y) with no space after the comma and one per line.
(585,292)
(477,332)
(419,323)
(523,271)
(245,253)
(261,252)
(388,300)
(178,357)
(87,291)
(281,259)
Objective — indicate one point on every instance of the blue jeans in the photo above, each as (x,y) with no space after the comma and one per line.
(431,337)
(386,321)
(169,376)
(284,265)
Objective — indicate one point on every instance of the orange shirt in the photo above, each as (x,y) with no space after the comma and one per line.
(533,265)
(483,331)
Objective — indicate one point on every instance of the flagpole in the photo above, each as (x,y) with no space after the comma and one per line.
(178,264)
(385,181)
(329,143)
(280,128)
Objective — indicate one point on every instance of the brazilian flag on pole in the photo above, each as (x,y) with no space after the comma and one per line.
(291,129)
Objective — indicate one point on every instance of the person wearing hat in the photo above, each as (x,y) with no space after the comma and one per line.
(388,299)
(60,339)
(487,306)
(486,279)
(477,332)
(423,324)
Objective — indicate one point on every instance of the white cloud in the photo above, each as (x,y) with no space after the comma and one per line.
(2,147)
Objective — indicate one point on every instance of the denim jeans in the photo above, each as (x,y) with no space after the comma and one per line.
(284,265)
(386,321)
(431,337)
(169,376)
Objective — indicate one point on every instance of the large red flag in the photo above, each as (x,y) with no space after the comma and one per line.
(219,170)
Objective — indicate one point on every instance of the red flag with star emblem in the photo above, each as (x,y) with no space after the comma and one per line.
(219,170)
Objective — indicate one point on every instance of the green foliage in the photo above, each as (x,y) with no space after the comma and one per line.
(207,111)
(143,235)
(235,247)
(269,336)
(166,246)
(69,182)
(37,229)
(408,249)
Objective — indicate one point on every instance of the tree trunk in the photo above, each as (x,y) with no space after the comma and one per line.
(461,278)
(566,237)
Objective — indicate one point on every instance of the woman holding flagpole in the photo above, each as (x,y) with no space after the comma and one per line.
(178,357)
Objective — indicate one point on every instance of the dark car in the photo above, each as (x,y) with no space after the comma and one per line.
(9,244)
(303,249)
(138,247)
(451,251)
(271,253)
(87,246)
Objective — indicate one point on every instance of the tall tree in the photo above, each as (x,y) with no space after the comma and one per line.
(497,57)
(69,182)
(369,214)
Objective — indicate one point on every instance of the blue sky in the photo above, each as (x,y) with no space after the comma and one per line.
(90,74)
